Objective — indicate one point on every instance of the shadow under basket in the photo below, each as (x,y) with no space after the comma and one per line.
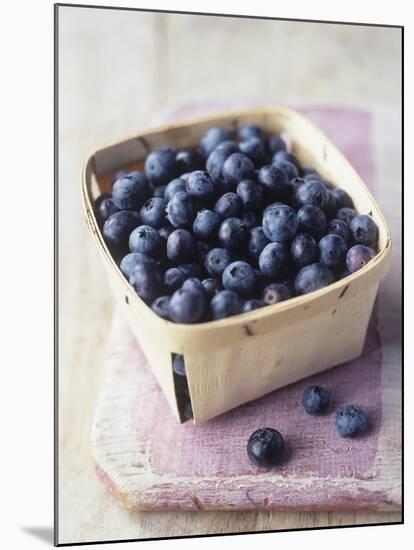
(235,360)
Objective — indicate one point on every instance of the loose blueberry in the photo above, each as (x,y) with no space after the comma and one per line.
(118,175)
(333,251)
(279,222)
(233,234)
(358,256)
(186,306)
(251,195)
(153,212)
(181,246)
(165,231)
(312,192)
(312,219)
(346,214)
(199,185)
(176,185)
(313,277)
(118,227)
(174,279)
(129,261)
(304,250)
(364,230)
(239,277)
(228,146)
(229,205)
(288,168)
(193,284)
(275,182)
(212,138)
(238,167)
(161,166)
(206,225)
(350,420)
(179,365)
(212,286)
(225,304)
(160,306)
(145,239)
(181,210)
(315,400)
(289,157)
(191,269)
(254,149)
(131,191)
(341,228)
(251,305)
(257,242)
(249,131)
(275,144)
(146,278)
(215,163)
(217,260)
(343,200)
(273,260)
(189,160)
(275,293)
(104,208)
(265,448)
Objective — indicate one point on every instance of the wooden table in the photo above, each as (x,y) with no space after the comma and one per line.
(120,71)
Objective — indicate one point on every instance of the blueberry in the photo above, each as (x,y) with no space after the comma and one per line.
(310,173)
(179,365)
(312,192)
(350,420)
(193,284)
(251,195)
(181,246)
(212,138)
(358,256)
(203,248)
(288,168)
(364,230)
(343,200)
(273,260)
(217,260)
(346,214)
(225,304)
(175,185)
(328,184)
(165,231)
(289,157)
(211,286)
(188,410)
(275,182)
(275,144)
(331,207)
(146,278)
(313,277)
(181,210)
(118,227)
(315,400)
(191,269)
(229,205)
(174,279)
(199,185)
(341,228)
(239,277)
(104,208)
(304,250)
(249,131)
(265,448)
(159,192)
(333,251)
(153,212)
(233,234)
(145,239)
(312,219)
(160,306)
(257,242)
(275,293)
(254,149)
(238,167)
(343,274)
(129,261)
(250,220)
(161,166)
(228,146)
(186,306)
(131,191)
(189,160)
(118,175)
(215,163)
(206,225)
(251,305)
(279,222)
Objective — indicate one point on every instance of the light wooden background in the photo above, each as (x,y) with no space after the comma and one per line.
(120,71)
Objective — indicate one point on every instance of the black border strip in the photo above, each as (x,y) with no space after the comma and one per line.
(56,270)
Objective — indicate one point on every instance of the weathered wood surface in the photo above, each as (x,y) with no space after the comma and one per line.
(346,66)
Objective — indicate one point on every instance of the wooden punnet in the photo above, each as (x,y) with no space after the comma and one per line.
(235,360)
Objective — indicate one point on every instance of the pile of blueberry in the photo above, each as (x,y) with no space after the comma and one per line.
(230,227)
(266,446)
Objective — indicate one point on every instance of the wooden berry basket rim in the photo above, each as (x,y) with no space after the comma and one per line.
(376,268)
